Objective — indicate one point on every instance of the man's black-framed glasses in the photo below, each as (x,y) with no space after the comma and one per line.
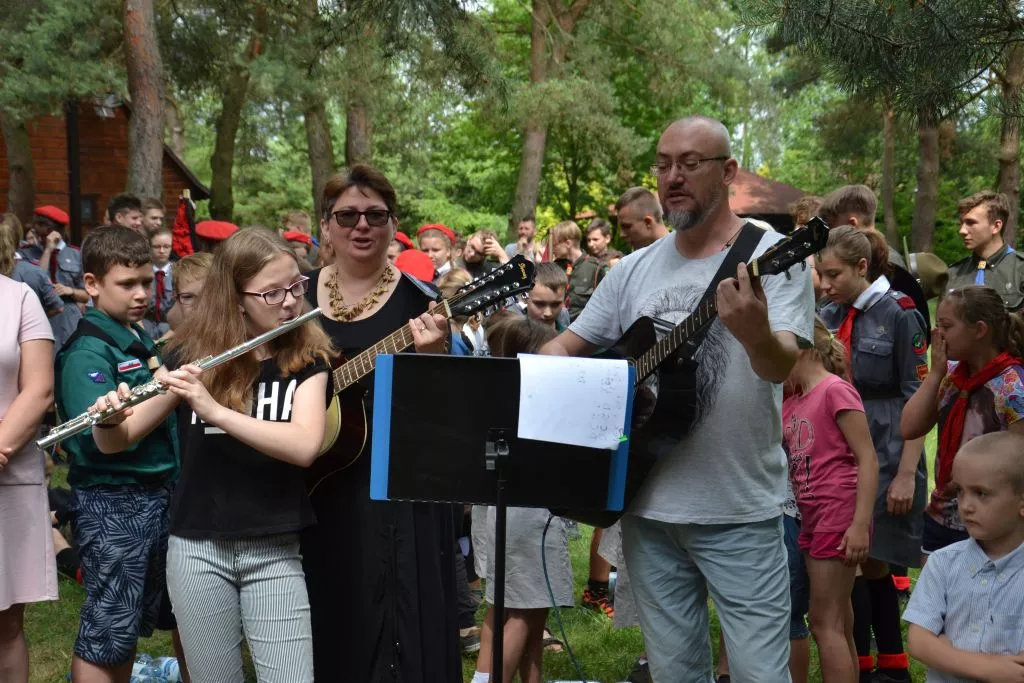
(687,166)
(375,218)
(274,297)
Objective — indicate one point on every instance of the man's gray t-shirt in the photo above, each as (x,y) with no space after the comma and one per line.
(731,468)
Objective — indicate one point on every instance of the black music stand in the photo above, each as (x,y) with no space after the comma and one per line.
(442,446)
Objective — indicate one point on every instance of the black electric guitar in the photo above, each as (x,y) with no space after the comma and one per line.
(669,415)
(346,430)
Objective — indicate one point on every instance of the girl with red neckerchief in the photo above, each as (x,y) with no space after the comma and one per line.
(975,386)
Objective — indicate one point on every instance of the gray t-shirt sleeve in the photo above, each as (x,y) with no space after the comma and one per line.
(600,322)
(791,303)
(927,607)
(511,249)
(47,294)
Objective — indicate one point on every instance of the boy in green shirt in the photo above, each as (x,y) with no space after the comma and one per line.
(121,500)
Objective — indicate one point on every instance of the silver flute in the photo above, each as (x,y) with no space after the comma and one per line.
(154,387)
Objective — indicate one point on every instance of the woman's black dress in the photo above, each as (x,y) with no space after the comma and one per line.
(380,575)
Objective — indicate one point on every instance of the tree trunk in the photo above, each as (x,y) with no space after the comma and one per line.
(21,191)
(358,134)
(888,180)
(236,87)
(542,64)
(535,132)
(321,150)
(927,183)
(146,87)
(1011,82)
(175,128)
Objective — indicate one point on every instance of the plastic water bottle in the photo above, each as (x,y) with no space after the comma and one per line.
(168,668)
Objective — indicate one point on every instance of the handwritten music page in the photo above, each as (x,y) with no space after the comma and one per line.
(575,401)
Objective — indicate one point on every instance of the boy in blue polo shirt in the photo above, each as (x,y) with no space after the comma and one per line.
(965,612)
(121,500)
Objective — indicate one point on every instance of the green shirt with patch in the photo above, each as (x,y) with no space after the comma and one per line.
(90,366)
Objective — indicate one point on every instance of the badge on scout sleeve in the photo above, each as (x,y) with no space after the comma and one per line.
(922,371)
(133,364)
(920,346)
(96,376)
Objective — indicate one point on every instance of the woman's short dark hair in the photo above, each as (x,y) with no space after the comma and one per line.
(363,177)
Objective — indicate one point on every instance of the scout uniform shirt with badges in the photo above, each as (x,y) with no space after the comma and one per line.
(889,359)
(64,268)
(102,354)
(1003,272)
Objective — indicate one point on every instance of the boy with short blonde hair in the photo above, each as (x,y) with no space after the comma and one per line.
(965,611)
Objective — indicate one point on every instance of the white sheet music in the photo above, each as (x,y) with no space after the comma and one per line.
(575,401)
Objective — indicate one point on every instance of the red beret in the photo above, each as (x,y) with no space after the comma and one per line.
(404,240)
(296,236)
(53,213)
(215,230)
(416,263)
(437,226)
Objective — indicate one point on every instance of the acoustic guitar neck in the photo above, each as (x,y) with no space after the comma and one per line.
(364,363)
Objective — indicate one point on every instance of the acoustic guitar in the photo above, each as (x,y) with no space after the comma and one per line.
(346,430)
(661,420)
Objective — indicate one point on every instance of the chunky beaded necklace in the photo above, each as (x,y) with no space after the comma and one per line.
(342,311)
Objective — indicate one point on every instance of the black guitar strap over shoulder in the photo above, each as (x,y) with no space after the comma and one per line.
(740,252)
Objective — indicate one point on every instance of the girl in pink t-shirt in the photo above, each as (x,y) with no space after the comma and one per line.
(834,472)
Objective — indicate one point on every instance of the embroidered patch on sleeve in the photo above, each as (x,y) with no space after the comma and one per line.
(127,365)
(922,371)
(920,345)
(96,376)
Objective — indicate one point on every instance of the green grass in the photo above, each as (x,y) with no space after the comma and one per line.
(605,654)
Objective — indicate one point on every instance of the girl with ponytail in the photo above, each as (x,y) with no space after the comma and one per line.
(886,343)
(834,474)
(975,386)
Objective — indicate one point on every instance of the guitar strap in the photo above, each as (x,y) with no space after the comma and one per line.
(740,252)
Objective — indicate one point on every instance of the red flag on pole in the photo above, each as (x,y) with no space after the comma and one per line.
(183,233)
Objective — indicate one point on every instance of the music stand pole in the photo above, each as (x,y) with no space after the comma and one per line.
(496,453)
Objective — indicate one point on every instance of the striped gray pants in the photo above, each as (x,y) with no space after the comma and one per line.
(220,589)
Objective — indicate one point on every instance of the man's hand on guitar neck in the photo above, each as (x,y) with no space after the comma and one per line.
(743,308)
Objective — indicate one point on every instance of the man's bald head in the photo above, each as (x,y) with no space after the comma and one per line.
(1002,451)
(710,133)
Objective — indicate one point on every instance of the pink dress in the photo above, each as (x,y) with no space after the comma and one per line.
(28,570)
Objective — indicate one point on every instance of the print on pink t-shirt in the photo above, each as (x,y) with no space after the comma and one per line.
(822,467)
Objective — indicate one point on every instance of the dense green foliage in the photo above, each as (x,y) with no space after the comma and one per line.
(447,89)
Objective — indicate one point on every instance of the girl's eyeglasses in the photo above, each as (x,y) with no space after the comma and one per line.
(274,297)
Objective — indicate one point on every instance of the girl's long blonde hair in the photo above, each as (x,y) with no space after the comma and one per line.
(10,236)
(216,323)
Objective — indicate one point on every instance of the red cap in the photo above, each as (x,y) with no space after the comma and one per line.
(404,240)
(53,213)
(416,263)
(215,230)
(296,236)
(438,226)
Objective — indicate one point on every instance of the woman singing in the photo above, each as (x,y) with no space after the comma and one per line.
(380,575)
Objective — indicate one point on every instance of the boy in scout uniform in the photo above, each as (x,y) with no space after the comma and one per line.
(63,263)
(121,500)
(992,262)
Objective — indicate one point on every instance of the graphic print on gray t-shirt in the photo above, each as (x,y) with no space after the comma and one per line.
(675,304)
(731,468)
